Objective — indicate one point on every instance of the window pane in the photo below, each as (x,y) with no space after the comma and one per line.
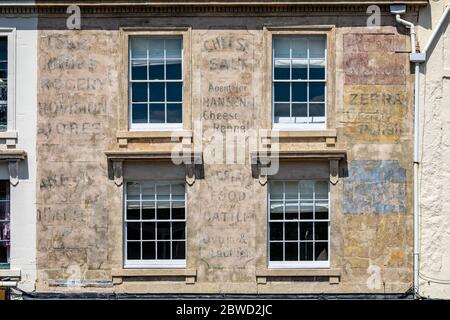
(321,190)
(163,249)
(174,113)
(306,231)
(299,69)
(157,113)
(299,91)
(174,92)
(163,230)
(276,251)
(291,210)
(133,210)
(281,47)
(178,191)
(148,250)
(133,250)
(317,110)
(291,190)
(276,231)
(148,191)
(317,47)
(4,256)
(133,191)
(321,210)
(148,231)
(317,69)
(163,210)
(163,191)
(178,230)
(157,93)
(321,251)
(299,47)
(4,210)
(5,234)
(291,231)
(282,69)
(148,210)
(321,231)
(276,210)
(173,48)
(306,189)
(282,91)
(306,251)
(276,190)
(316,91)
(291,251)
(139,48)
(139,92)
(133,231)
(173,70)
(139,70)
(299,110)
(139,113)
(178,210)
(281,112)
(156,70)
(156,48)
(178,250)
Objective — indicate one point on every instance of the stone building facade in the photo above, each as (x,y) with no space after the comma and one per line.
(256,148)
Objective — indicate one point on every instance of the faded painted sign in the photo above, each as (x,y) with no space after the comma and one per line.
(375,186)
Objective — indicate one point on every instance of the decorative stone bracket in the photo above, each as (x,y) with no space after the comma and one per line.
(12,158)
(262,161)
(193,162)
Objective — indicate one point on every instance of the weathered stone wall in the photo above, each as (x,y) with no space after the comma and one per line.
(80,210)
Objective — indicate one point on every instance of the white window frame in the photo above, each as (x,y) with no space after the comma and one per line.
(148,264)
(10,132)
(289,125)
(154,126)
(299,264)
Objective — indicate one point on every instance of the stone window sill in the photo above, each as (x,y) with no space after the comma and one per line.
(333,275)
(330,133)
(190,275)
(10,137)
(154,134)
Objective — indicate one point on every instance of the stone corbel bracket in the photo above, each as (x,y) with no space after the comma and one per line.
(12,158)
(192,161)
(263,160)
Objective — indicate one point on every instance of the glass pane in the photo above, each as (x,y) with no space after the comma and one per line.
(173,70)
(317,69)
(163,210)
(163,191)
(317,47)
(276,231)
(321,251)
(163,230)
(139,92)
(156,48)
(306,251)
(321,190)
(299,110)
(148,250)
(139,70)
(316,92)
(174,92)
(173,48)
(306,210)
(276,190)
(156,70)
(4,210)
(148,210)
(291,251)
(133,210)
(282,112)
(139,113)
(321,231)
(321,210)
(299,92)
(306,231)
(148,191)
(299,47)
(306,189)
(157,92)
(291,210)
(281,47)
(178,230)
(282,70)
(4,255)
(317,110)
(178,210)
(157,113)
(163,249)
(5,231)
(299,69)
(291,190)
(139,48)
(291,231)
(133,250)
(276,210)
(133,231)
(276,251)
(148,231)
(178,191)
(179,250)
(282,91)
(133,191)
